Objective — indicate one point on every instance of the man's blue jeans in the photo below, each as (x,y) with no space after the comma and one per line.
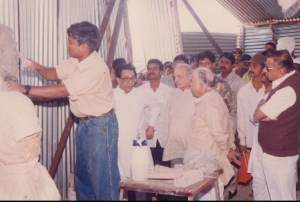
(96,171)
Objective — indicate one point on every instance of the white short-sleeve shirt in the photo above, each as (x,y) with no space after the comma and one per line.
(281,100)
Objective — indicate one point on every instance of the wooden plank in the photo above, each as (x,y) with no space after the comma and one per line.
(61,146)
(204,29)
(167,187)
(127,34)
(115,35)
(105,20)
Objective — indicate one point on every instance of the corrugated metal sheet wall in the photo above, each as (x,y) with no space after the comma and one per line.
(167,32)
(251,11)
(40,28)
(196,42)
(256,37)
(159,19)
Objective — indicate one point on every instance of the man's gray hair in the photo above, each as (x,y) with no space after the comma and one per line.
(206,76)
(183,66)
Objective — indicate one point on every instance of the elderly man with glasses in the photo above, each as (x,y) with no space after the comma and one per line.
(278,135)
(131,105)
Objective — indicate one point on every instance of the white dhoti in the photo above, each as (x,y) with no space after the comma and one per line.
(124,157)
(281,176)
(255,167)
(274,178)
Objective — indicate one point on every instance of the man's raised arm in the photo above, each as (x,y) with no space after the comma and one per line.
(48,73)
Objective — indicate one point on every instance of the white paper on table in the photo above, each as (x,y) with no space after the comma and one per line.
(165,173)
(189,177)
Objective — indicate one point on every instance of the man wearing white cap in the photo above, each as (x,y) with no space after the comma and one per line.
(286,43)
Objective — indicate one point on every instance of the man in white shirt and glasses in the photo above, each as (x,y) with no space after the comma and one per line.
(131,105)
(279,117)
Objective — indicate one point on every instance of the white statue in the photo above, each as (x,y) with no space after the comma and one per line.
(22,177)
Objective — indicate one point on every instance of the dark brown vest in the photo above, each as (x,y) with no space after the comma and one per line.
(281,137)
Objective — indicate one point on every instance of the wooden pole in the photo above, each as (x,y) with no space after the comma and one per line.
(115,34)
(127,33)
(61,146)
(106,18)
(179,45)
(200,23)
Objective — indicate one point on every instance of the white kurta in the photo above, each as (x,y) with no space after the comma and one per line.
(255,166)
(247,101)
(130,111)
(181,112)
(209,142)
(161,95)
(22,177)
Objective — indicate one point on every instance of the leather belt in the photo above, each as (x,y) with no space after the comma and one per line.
(87,118)
(92,117)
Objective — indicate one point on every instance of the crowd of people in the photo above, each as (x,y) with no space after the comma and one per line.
(192,112)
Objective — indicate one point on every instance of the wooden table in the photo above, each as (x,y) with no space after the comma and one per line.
(167,187)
